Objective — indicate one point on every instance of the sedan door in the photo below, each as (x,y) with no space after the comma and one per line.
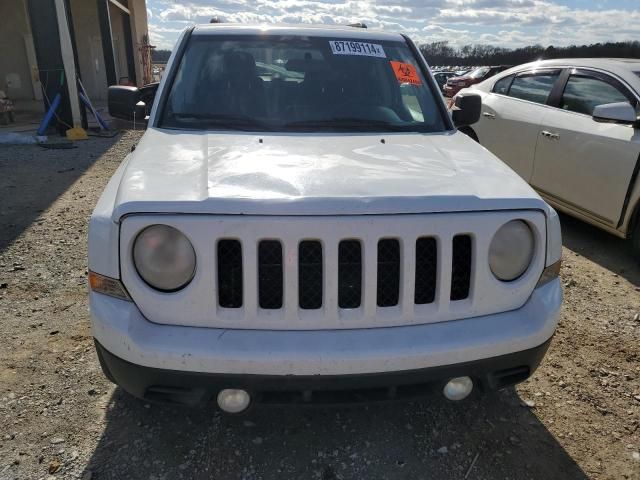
(580,163)
(511,116)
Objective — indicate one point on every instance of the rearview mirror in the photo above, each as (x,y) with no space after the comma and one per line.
(621,112)
(466,109)
(123,101)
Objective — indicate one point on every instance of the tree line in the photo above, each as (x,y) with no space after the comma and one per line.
(442,53)
(160,56)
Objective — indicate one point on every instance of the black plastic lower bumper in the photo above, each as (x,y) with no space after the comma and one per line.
(192,388)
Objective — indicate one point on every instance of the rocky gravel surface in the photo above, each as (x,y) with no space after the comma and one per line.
(578,417)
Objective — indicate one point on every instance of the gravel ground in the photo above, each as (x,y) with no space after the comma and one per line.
(578,417)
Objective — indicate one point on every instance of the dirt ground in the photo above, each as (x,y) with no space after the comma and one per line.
(578,417)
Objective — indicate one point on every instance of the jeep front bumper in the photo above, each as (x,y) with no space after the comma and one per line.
(190,365)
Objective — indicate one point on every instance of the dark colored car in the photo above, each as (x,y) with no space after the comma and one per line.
(455,84)
(442,77)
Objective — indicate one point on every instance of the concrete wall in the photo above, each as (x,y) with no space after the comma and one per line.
(139,28)
(17,57)
(119,42)
(90,54)
(15,73)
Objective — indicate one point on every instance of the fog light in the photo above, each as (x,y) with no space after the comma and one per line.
(458,388)
(232,400)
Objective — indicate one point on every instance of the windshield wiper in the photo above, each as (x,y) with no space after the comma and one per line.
(230,121)
(351,122)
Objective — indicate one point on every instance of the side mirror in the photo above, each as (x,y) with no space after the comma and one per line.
(148,94)
(466,109)
(123,101)
(621,112)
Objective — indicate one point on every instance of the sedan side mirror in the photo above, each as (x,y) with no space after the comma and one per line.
(466,109)
(621,112)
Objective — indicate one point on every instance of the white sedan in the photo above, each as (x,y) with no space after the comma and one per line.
(571,129)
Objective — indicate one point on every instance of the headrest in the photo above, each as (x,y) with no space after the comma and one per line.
(241,63)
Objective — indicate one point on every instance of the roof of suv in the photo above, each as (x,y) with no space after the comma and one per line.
(342,31)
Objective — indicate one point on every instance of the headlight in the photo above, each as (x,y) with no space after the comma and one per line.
(164,258)
(511,250)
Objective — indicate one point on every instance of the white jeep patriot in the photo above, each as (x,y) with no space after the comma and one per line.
(302,222)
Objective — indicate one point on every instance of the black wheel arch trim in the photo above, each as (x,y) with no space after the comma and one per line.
(627,199)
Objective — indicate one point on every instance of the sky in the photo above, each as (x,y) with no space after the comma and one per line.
(507,23)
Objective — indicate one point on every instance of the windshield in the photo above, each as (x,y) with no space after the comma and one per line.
(284,83)
(479,72)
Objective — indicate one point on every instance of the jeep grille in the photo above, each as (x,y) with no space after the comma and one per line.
(334,272)
(311,270)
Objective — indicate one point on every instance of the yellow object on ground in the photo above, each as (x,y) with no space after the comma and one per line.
(77,133)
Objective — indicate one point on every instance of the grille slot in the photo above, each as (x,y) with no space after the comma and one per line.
(349,274)
(388,272)
(270,281)
(461,267)
(310,275)
(426,270)
(229,273)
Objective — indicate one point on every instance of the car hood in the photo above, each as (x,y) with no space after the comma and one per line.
(174,171)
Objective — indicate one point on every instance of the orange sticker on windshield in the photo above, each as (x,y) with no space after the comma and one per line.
(406,73)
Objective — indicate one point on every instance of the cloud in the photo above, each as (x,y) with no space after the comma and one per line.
(505,23)
(500,4)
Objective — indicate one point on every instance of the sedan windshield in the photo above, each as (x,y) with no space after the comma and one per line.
(302,83)
(479,72)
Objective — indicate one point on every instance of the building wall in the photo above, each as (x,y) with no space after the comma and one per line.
(139,28)
(88,40)
(119,43)
(17,57)
(89,46)
(15,73)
